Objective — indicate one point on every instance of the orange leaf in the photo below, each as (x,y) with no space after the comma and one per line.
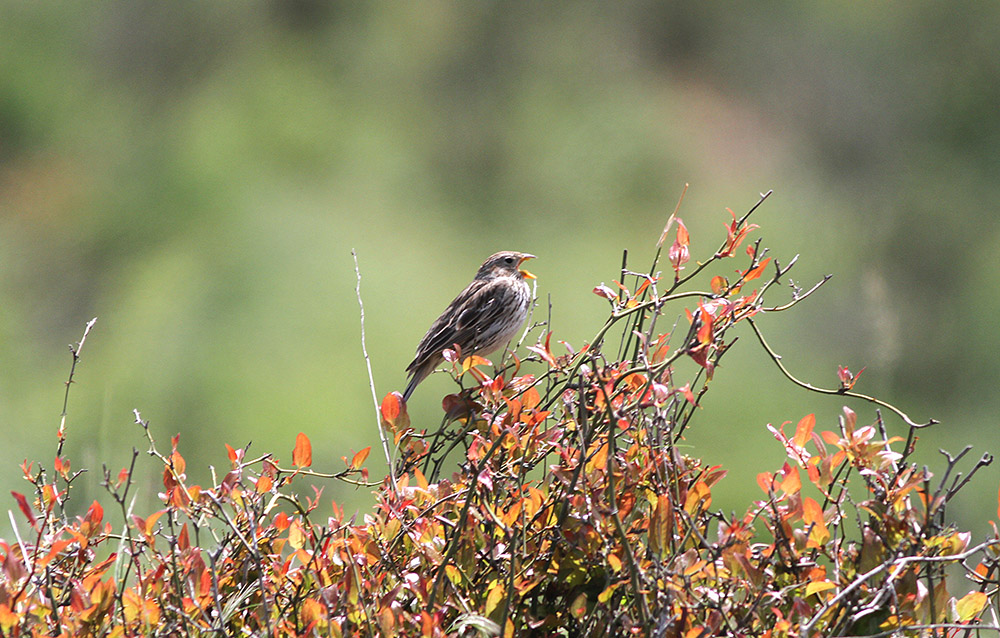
(755,272)
(812,513)
(394,416)
(661,524)
(8,619)
(791,483)
(281,521)
(177,462)
(766,481)
(803,431)
(683,238)
(151,521)
(699,497)
(302,454)
(718,284)
(264,484)
(359,458)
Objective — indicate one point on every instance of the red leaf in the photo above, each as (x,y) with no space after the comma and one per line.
(604,291)
(25,509)
(302,454)
(95,514)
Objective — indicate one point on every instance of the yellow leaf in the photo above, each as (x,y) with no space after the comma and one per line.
(296,537)
(605,595)
(970,605)
(420,478)
(818,586)
(494,596)
(615,562)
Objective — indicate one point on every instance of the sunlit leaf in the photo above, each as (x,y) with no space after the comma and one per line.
(766,482)
(718,284)
(264,484)
(494,596)
(791,483)
(22,503)
(604,291)
(803,431)
(302,454)
(818,586)
(970,605)
(360,457)
(661,524)
(296,536)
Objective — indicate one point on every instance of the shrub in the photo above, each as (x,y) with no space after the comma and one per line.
(554,502)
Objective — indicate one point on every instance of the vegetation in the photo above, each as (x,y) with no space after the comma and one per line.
(554,502)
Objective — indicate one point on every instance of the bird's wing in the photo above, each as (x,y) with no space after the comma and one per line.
(476,306)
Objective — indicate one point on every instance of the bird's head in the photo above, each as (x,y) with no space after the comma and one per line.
(505,264)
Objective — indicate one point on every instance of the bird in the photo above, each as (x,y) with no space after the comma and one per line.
(480,319)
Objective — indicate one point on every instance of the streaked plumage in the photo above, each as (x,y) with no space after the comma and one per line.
(482,318)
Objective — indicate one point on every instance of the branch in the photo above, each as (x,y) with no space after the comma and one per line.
(72,369)
(898,565)
(840,392)
(371,378)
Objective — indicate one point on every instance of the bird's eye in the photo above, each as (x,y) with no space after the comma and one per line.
(509,260)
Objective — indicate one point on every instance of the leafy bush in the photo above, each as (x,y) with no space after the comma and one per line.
(550,503)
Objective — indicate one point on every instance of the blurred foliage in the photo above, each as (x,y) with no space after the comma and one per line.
(196,176)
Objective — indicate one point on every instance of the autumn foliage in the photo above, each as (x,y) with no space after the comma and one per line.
(554,499)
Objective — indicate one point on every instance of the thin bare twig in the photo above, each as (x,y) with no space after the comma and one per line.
(75,350)
(371,378)
(839,392)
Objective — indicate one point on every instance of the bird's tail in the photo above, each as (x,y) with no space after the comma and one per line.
(410,387)
(417,374)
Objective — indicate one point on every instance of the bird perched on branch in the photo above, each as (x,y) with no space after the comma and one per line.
(482,318)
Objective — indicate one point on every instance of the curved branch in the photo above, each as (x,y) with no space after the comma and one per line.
(839,392)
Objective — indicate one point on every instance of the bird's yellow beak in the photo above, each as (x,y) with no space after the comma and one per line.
(525,273)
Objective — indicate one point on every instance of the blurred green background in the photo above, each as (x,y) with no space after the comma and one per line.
(195,175)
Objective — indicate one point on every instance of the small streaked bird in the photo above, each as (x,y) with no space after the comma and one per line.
(482,318)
